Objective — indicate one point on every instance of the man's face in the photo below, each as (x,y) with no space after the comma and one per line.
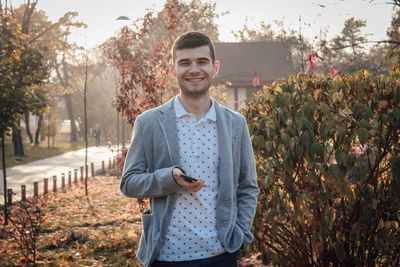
(194,70)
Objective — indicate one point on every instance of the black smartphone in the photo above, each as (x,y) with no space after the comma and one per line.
(189,179)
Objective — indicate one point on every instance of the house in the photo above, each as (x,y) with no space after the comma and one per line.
(245,67)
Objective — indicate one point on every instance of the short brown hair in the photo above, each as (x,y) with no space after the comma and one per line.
(193,39)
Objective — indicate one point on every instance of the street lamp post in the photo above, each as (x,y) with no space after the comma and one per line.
(86,121)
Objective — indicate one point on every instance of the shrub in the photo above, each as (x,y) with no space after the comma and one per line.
(327,152)
(26,219)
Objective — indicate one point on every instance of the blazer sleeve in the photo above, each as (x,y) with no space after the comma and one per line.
(135,181)
(247,190)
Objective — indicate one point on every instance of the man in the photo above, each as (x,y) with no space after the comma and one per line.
(97,133)
(206,220)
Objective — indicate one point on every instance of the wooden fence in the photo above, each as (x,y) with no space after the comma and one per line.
(64,183)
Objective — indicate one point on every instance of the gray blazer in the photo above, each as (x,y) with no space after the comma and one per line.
(154,147)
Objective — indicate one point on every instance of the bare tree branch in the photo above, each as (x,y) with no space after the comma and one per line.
(397,43)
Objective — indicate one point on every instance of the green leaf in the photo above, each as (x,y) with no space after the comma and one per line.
(285,138)
(395,167)
(325,108)
(316,152)
(298,151)
(363,135)
(267,182)
(397,113)
(335,97)
(340,130)
(366,218)
(308,109)
(364,124)
(339,157)
(305,124)
(345,112)
(305,139)
(340,252)
(278,89)
(269,146)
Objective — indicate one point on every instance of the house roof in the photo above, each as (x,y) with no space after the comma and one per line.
(240,61)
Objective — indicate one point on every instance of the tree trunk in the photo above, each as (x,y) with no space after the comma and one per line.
(74,130)
(3,161)
(27,127)
(48,130)
(64,80)
(17,141)
(42,130)
(38,129)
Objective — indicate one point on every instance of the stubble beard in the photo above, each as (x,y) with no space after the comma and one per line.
(194,93)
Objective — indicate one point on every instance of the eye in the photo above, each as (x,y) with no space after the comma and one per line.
(184,63)
(203,62)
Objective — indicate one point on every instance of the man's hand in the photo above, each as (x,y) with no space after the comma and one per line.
(189,186)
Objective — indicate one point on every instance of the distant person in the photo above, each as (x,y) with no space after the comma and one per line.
(96,134)
(206,220)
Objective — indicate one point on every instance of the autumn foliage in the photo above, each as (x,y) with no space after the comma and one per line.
(77,230)
(141,53)
(21,69)
(327,151)
(142,69)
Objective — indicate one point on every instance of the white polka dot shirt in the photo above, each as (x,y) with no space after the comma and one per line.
(192,233)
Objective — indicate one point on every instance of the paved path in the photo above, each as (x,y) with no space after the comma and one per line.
(37,170)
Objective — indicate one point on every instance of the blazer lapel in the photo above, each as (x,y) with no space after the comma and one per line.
(167,122)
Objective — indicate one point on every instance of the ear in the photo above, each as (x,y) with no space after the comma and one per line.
(216,66)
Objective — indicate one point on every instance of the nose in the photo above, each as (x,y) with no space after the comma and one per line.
(194,68)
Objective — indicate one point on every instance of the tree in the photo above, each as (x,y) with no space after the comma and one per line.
(142,55)
(33,24)
(21,68)
(178,17)
(348,50)
(52,39)
(13,97)
(276,32)
(393,33)
(63,66)
(32,71)
(16,132)
(47,38)
(29,8)
(140,81)
(101,93)
(40,101)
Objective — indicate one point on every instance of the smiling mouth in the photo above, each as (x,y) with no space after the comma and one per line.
(197,79)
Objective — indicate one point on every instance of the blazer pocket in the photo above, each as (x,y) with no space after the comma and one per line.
(143,251)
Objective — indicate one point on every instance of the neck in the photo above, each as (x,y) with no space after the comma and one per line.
(198,106)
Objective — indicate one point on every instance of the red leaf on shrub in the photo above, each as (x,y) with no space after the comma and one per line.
(332,70)
(311,62)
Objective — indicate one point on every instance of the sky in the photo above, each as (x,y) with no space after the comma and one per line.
(100,15)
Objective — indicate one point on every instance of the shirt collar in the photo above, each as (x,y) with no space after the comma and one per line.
(180,111)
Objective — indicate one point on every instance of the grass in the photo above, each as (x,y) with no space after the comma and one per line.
(41,151)
(101,229)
